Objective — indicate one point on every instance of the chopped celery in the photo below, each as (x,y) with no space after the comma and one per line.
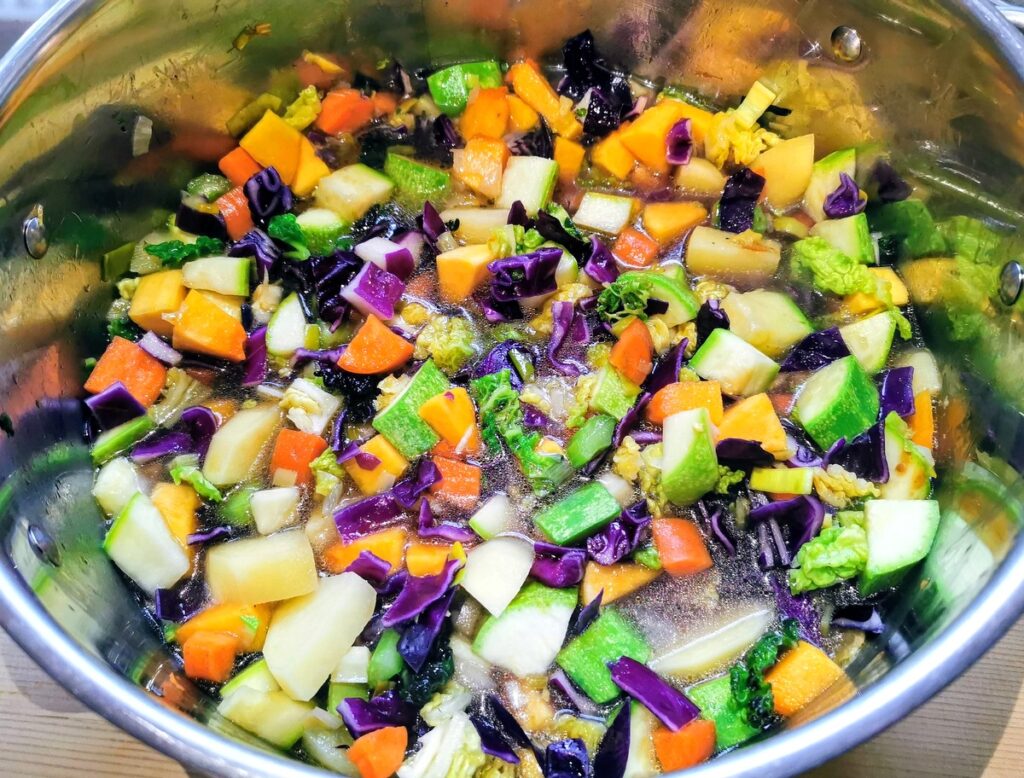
(385,661)
(252,112)
(590,440)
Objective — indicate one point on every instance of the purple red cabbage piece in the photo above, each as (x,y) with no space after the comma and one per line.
(797,606)
(525,275)
(193,216)
(563,316)
(434,139)
(866,618)
(739,198)
(418,639)
(410,489)
(710,317)
(256,243)
(631,419)
(889,185)
(864,456)
(321,280)
(567,759)
(518,216)
(183,601)
(714,519)
(601,265)
(385,710)
(428,528)
(563,684)
(803,515)
(370,567)
(157,348)
(844,200)
(497,311)
(199,423)
(816,351)
(255,368)
(896,391)
(679,143)
(498,359)
(586,71)
(419,593)
(742,454)
(161,445)
(373,290)
(667,703)
(492,740)
(209,535)
(584,617)
(667,370)
(366,516)
(557,566)
(538,142)
(551,228)
(613,753)
(114,406)
(620,537)
(268,195)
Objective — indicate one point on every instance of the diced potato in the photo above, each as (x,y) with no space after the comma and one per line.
(716,253)
(236,446)
(261,569)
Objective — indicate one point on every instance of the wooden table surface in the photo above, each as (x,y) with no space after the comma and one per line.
(974,728)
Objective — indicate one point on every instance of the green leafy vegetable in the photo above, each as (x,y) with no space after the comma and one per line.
(626,296)
(303,112)
(752,694)
(728,478)
(829,269)
(648,556)
(837,554)
(512,240)
(327,472)
(418,688)
(565,220)
(971,239)
(175,253)
(450,341)
(123,328)
(209,186)
(186,468)
(286,228)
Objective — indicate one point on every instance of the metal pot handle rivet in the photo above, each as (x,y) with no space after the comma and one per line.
(34,232)
(1011,281)
(847,46)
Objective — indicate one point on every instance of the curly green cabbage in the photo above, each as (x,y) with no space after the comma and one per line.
(837,554)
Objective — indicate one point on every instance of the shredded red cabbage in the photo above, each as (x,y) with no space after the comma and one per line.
(562,315)
(525,275)
(619,538)
(268,195)
(374,291)
(815,351)
(557,566)
(613,753)
(498,359)
(182,602)
(386,710)
(562,683)
(419,593)
(679,143)
(256,243)
(845,200)
(370,567)
(492,741)
(670,705)
(255,358)
(804,516)
(797,606)
(710,317)
(567,759)
(192,217)
(427,528)
(157,446)
(550,227)
(742,454)
(114,406)
(419,637)
(585,616)
(407,491)
(431,223)
(366,516)
(865,455)
(601,265)
(889,184)
(896,393)
(209,535)
(667,370)
(739,198)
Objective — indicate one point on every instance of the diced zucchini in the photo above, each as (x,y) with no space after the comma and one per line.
(747,256)
(321,227)
(900,534)
(527,636)
(385,661)
(910,466)
(716,703)
(606,213)
(236,446)
(353,190)
(769,321)
(256,676)
(450,87)
(825,180)
(870,340)
(714,647)
(328,747)
(273,716)
(614,394)
(120,438)
(689,467)
(849,235)
(288,329)
(530,180)
(309,635)
(580,514)
(740,368)
(400,421)
(261,569)
(353,667)
(141,545)
(493,517)
(415,182)
(838,401)
(224,275)
(783,480)
(586,658)
(116,483)
(495,571)
(590,440)
(671,289)
(274,509)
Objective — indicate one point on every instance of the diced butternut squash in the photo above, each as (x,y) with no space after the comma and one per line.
(486,114)
(534,89)
(387,544)
(460,271)
(612,156)
(666,222)
(142,375)
(274,142)
(521,117)
(754,418)
(206,328)
(569,156)
(178,504)
(382,477)
(459,486)
(246,622)
(157,295)
(481,165)
(804,672)
(426,558)
(686,396)
(860,303)
(452,416)
(309,171)
(786,168)
(647,137)
(616,581)
(922,422)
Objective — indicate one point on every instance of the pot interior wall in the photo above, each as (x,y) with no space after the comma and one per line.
(928,85)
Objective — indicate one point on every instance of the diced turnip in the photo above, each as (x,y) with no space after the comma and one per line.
(236,446)
(618,487)
(273,509)
(140,543)
(716,253)
(116,483)
(261,569)
(494,517)
(387,255)
(309,635)
(495,571)
(273,716)
(699,654)
(476,225)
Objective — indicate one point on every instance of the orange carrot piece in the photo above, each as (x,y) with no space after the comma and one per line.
(922,422)
(680,546)
(631,354)
(238,166)
(384,103)
(379,754)
(481,165)
(460,483)
(344,110)
(294,450)
(230,619)
(128,363)
(635,249)
(388,544)
(210,656)
(686,747)
(375,349)
(486,114)
(804,672)
(234,207)
(686,396)
(423,559)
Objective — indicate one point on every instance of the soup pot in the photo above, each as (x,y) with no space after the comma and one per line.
(108,107)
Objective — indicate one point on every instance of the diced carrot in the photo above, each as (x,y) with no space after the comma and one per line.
(205,327)
(388,544)
(384,103)
(616,581)
(486,114)
(631,354)
(686,396)
(178,504)
(480,165)
(521,117)
(922,422)
(459,485)
(452,416)
(804,672)
(131,365)
(209,656)
(238,166)
(680,546)
(344,110)
(612,156)
(686,747)
(375,349)
(754,418)
(425,558)
(274,142)
(224,407)
(234,208)
(293,452)
(248,623)
(380,753)
(534,89)
(635,249)
(569,156)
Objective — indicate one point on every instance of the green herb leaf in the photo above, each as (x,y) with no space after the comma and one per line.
(626,296)
(175,253)
(286,228)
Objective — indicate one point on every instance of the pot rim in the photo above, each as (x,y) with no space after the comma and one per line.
(908,685)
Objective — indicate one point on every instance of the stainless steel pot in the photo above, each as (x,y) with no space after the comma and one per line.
(943,83)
